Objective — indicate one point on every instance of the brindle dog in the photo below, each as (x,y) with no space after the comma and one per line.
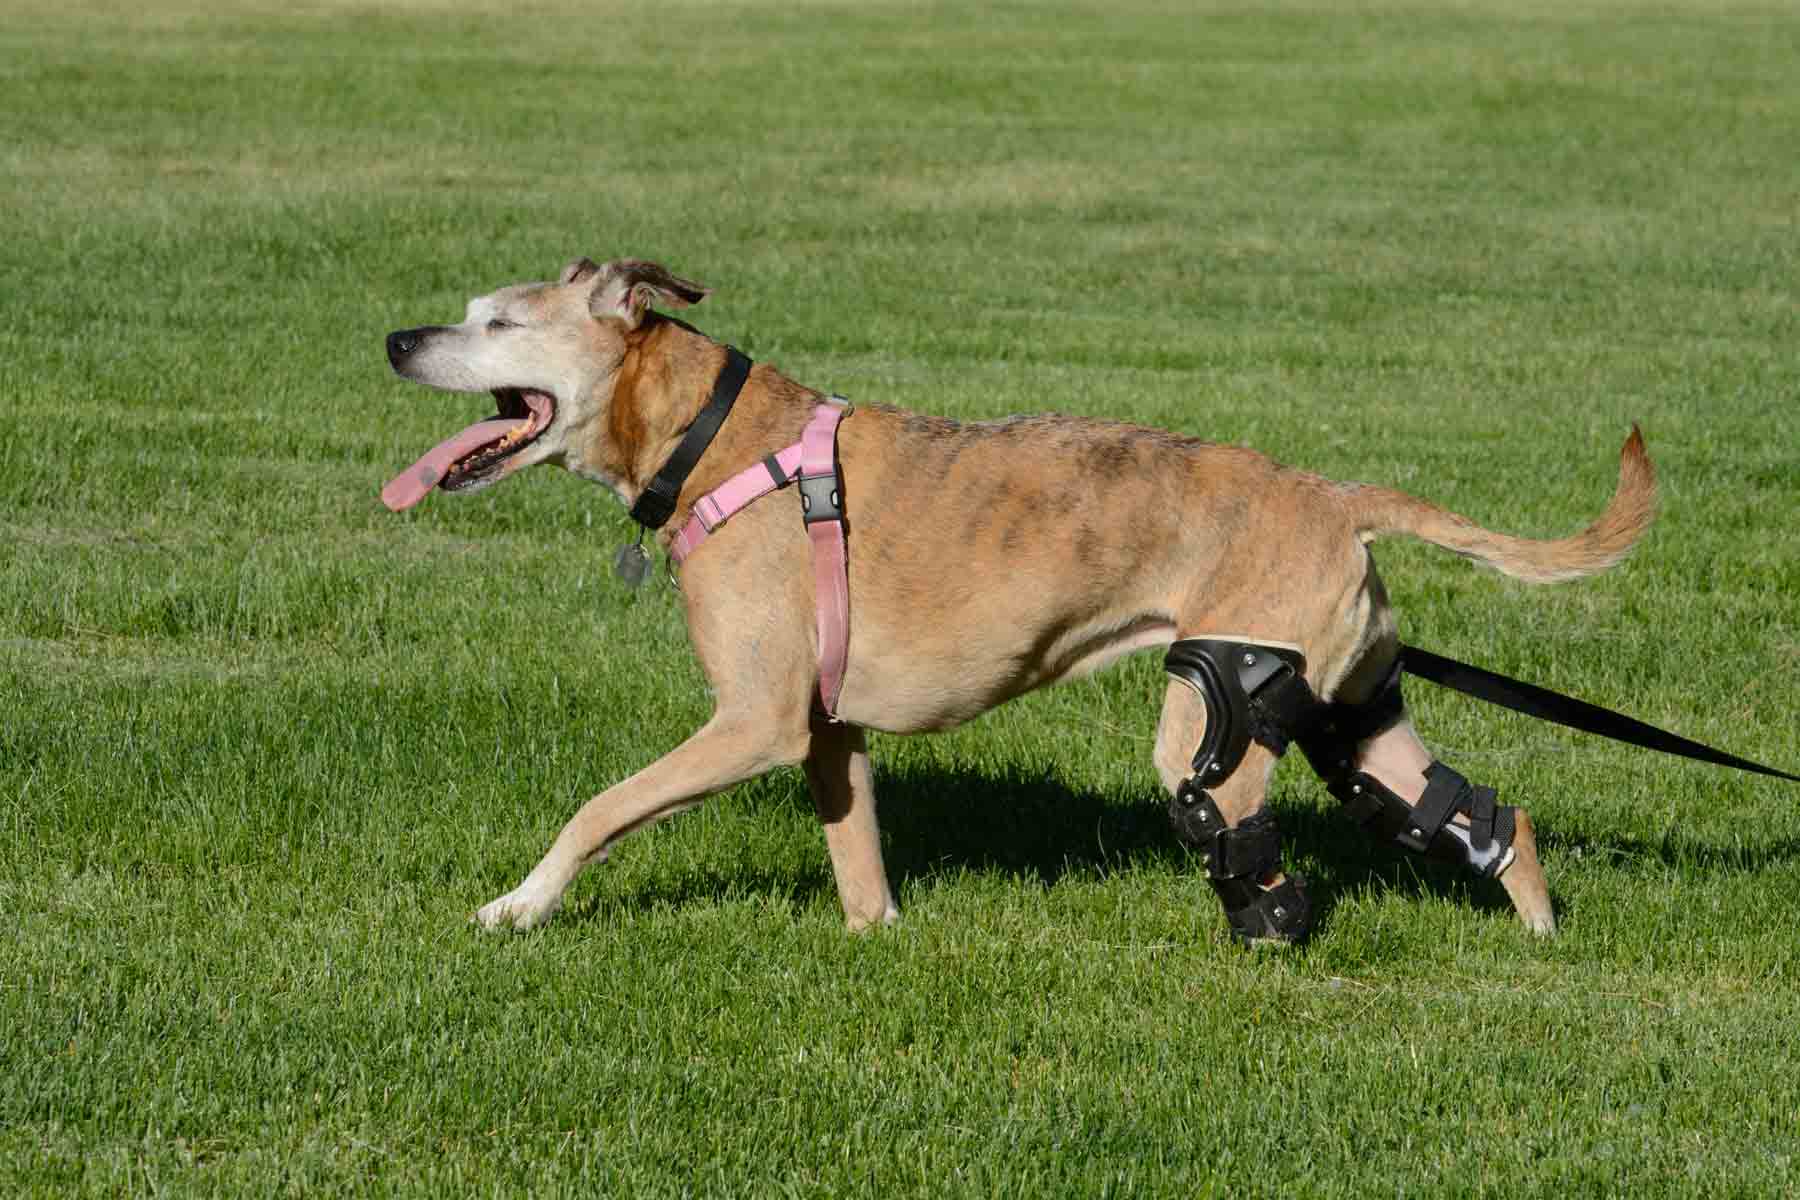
(985,559)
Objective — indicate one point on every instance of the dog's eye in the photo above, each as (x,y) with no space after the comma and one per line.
(499,323)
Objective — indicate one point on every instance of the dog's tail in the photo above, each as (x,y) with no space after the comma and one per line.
(1378,511)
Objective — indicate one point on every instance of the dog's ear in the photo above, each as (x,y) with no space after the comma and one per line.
(626,288)
(578,270)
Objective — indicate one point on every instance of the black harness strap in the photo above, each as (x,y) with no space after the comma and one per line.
(1547,705)
(657,502)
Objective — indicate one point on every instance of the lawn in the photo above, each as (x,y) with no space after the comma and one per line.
(264,746)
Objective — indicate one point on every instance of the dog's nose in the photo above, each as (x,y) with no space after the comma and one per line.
(403,343)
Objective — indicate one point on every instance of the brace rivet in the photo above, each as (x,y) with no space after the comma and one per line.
(1280,913)
(1204,817)
(1356,789)
(1418,833)
(1249,660)
(1216,769)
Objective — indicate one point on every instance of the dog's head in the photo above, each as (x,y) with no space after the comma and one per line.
(550,355)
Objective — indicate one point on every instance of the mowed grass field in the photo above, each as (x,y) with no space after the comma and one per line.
(265,746)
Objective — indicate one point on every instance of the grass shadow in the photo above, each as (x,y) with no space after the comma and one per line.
(1674,852)
(709,886)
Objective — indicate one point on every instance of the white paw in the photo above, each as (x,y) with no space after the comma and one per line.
(521,909)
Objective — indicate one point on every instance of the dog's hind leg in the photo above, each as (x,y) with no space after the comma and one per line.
(724,751)
(1363,745)
(843,792)
(1222,815)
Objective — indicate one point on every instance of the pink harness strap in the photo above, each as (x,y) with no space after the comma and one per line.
(813,460)
(822,502)
(735,494)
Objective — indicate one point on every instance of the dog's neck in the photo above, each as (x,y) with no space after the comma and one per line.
(664,380)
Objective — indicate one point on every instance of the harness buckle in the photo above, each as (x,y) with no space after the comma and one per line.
(820,499)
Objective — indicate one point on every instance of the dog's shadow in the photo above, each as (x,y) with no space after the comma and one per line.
(1038,829)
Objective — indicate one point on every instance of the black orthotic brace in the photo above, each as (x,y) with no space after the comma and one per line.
(1330,743)
(1237,859)
(1252,693)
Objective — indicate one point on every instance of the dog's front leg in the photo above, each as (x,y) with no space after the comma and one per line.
(843,792)
(723,752)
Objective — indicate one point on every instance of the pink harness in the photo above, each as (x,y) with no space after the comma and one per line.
(814,460)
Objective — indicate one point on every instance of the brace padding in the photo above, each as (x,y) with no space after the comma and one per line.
(1337,729)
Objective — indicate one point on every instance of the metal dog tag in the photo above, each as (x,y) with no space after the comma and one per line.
(632,564)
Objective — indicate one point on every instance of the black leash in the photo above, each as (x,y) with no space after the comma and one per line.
(656,503)
(1547,705)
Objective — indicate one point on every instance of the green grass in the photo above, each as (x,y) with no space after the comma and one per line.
(264,746)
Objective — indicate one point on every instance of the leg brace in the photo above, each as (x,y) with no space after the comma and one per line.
(1330,743)
(1252,693)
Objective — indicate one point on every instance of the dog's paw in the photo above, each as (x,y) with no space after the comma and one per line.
(858,923)
(520,909)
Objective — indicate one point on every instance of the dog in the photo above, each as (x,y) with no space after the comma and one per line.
(985,559)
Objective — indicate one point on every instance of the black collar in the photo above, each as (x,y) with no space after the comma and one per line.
(657,502)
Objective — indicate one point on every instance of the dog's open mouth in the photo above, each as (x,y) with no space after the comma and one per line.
(477,454)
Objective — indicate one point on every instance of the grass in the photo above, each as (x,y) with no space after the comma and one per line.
(265,746)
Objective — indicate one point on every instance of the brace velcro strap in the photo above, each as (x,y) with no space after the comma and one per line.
(1483,847)
(1446,792)
(1485,859)
(1281,914)
(1283,705)
(1498,855)
(1251,850)
(1237,861)
(1481,817)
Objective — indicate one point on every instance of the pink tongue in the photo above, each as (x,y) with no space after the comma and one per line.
(410,486)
